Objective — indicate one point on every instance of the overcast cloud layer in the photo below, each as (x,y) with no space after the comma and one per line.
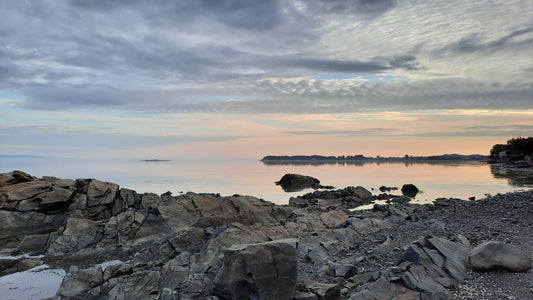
(266,56)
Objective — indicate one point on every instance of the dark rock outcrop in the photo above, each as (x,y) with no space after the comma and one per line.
(410,190)
(296,182)
(184,247)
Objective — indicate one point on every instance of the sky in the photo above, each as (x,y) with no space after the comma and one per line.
(241,78)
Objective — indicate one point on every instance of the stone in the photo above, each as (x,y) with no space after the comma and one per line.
(258,271)
(334,218)
(303,295)
(409,190)
(11,194)
(190,240)
(56,199)
(367,224)
(297,182)
(78,234)
(15,222)
(455,256)
(136,286)
(34,243)
(79,281)
(325,291)
(116,270)
(495,255)
(382,288)
(101,193)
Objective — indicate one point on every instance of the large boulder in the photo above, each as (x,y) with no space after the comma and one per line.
(296,182)
(258,271)
(495,255)
(410,190)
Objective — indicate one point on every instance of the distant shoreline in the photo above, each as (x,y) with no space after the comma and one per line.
(361,159)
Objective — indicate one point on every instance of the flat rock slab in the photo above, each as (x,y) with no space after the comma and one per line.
(495,255)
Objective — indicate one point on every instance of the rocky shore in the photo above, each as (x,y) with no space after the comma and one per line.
(114,243)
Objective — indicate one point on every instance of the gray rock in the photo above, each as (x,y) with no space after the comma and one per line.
(137,286)
(79,281)
(367,224)
(325,291)
(334,218)
(34,243)
(190,240)
(455,256)
(296,182)
(78,234)
(258,271)
(100,198)
(304,295)
(495,255)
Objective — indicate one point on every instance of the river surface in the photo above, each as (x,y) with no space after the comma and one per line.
(252,177)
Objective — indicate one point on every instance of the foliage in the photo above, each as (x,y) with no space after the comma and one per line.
(516,148)
(521,145)
(516,156)
(496,149)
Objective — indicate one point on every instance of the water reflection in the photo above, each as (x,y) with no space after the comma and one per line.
(362,163)
(515,177)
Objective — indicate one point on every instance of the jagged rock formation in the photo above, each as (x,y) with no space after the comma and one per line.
(205,246)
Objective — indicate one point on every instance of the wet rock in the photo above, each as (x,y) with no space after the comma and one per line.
(260,271)
(384,189)
(296,182)
(14,265)
(495,255)
(410,190)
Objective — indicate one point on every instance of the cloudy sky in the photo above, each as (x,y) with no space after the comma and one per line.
(241,78)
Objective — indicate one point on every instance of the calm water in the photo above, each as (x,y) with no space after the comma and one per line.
(252,177)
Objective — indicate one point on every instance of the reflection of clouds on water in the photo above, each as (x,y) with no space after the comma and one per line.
(37,283)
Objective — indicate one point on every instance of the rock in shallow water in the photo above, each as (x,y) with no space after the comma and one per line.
(296,182)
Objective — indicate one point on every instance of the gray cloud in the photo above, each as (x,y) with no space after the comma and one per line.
(371,8)
(376,65)
(475,43)
(286,96)
(170,56)
(519,127)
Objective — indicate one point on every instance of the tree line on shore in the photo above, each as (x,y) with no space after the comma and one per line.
(515,149)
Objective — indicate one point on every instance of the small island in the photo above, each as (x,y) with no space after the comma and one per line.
(155,160)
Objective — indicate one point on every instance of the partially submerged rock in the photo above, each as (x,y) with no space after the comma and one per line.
(410,190)
(296,182)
